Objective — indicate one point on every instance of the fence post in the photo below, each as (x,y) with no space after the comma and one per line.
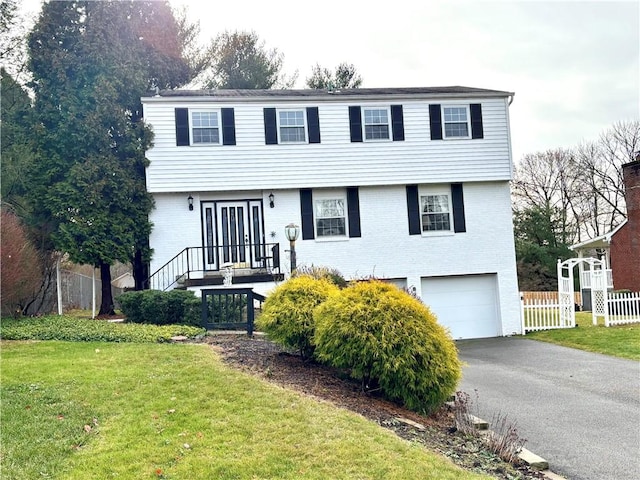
(250,313)
(524,331)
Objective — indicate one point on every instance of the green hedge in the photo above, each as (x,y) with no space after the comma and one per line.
(389,341)
(161,308)
(287,314)
(73,329)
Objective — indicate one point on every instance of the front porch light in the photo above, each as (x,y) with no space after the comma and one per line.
(190,199)
(271,198)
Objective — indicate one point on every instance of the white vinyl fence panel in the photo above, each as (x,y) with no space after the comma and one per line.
(622,308)
(542,314)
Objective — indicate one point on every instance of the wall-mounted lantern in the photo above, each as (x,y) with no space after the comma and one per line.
(190,199)
(271,199)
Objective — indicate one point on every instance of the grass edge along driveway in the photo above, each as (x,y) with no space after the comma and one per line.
(148,411)
(622,341)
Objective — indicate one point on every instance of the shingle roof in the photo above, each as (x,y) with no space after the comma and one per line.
(347,92)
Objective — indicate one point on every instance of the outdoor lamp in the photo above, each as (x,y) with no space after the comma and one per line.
(292,231)
(190,198)
(271,198)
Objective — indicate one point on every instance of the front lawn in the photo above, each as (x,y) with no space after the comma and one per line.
(148,411)
(619,341)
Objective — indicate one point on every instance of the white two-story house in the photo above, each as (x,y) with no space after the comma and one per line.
(405,184)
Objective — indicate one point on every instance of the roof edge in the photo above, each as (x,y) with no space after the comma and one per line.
(231,95)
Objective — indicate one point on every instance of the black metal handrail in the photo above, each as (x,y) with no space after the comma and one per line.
(262,256)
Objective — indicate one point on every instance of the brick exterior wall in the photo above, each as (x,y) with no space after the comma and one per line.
(625,244)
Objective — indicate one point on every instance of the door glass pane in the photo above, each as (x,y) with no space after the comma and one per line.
(225,234)
(241,239)
(232,230)
(209,227)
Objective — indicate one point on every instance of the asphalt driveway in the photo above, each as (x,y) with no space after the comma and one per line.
(580,411)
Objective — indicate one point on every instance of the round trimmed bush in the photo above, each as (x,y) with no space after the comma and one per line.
(287,314)
(388,340)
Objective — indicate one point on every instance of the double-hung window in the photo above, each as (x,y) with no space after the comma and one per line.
(456,121)
(376,123)
(291,124)
(205,127)
(435,211)
(330,217)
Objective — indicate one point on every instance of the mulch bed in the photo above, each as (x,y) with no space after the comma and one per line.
(267,360)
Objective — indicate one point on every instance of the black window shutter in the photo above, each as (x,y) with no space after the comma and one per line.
(413,209)
(270,126)
(435,122)
(228,127)
(353,210)
(313,124)
(182,127)
(476,120)
(306,208)
(355,124)
(397,123)
(457,199)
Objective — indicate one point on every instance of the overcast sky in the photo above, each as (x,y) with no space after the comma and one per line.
(574,65)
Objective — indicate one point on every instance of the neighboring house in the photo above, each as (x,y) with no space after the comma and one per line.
(405,184)
(620,248)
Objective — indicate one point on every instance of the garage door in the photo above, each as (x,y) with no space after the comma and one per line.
(467,304)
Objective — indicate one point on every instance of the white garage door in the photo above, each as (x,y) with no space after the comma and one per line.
(467,304)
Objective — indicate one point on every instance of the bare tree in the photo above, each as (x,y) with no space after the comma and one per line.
(584,183)
(601,173)
(548,180)
(344,76)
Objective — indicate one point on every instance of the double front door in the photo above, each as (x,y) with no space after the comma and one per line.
(233,234)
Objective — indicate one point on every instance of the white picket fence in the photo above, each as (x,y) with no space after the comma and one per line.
(540,314)
(544,314)
(623,308)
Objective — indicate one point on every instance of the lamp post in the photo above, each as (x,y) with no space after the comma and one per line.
(292,231)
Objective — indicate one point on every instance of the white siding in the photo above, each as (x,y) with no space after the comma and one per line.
(385,249)
(250,164)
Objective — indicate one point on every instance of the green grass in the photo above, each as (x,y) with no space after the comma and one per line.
(147,411)
(619,341)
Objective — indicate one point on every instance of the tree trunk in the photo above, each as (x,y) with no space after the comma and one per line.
(140,271)
(106,306)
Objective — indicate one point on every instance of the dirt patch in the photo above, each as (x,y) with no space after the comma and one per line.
(269,361)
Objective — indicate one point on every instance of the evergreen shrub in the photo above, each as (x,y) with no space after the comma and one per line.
(287,314)
(161,308)
(71,329)
(389,341)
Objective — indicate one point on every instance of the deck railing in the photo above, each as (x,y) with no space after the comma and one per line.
(198,261)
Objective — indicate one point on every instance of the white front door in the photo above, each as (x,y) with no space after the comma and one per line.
(233,234)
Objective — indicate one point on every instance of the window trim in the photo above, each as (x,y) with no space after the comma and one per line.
(333,194)
(192,127)
(433,190)
(389,123)
(444,122)
(304,126)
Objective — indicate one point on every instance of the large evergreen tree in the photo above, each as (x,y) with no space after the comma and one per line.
(91,63)
(16,143)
